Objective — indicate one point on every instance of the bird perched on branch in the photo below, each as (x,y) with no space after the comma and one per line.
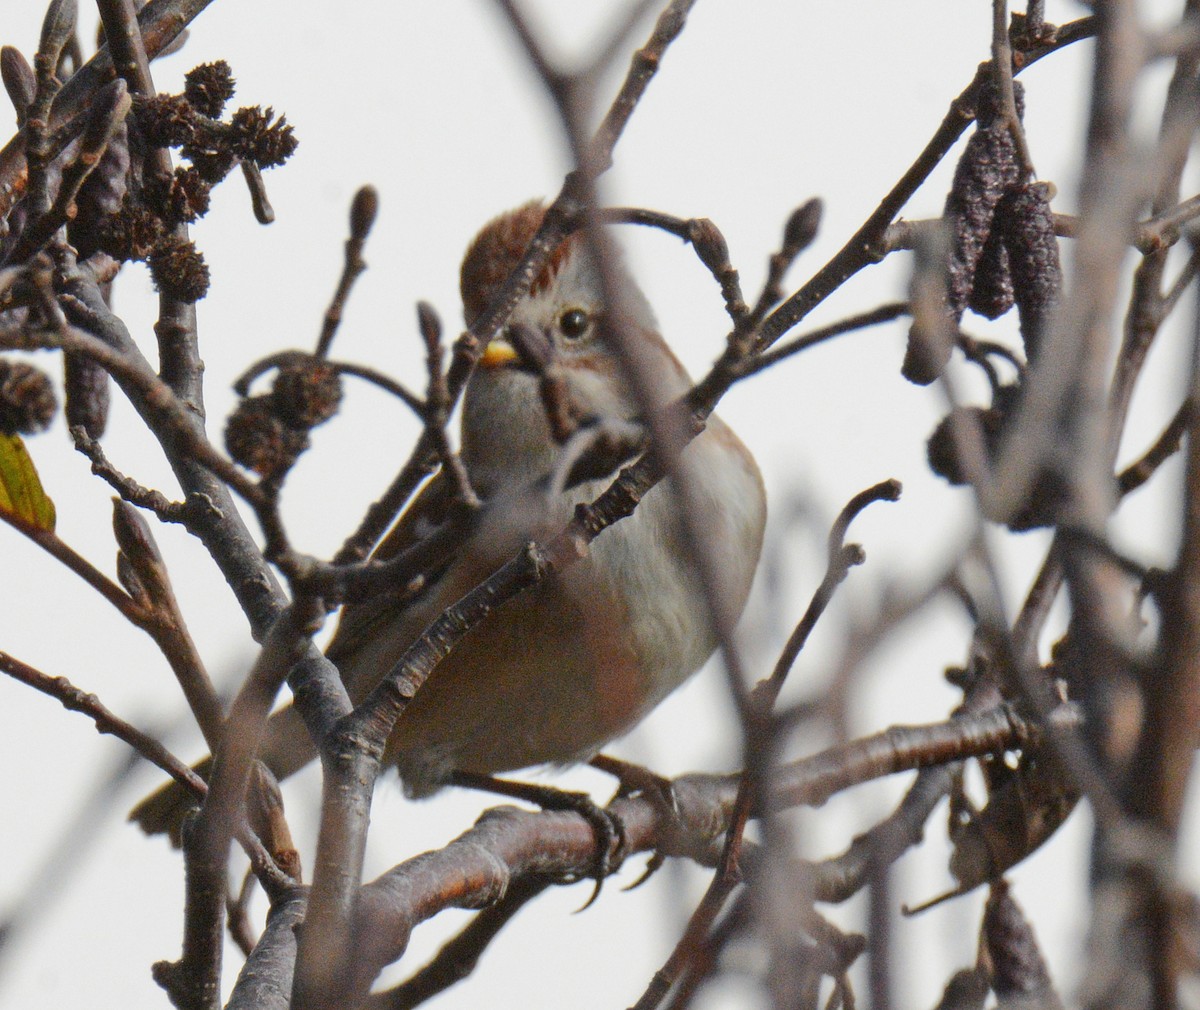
(579,659)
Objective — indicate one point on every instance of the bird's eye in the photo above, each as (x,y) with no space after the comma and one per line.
(574,323)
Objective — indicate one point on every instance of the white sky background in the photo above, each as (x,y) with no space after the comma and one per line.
(758,106)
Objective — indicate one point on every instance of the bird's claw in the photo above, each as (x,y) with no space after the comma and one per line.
(611,841)
(633,779)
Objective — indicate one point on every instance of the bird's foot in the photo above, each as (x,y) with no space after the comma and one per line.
(633,779)
(609,830)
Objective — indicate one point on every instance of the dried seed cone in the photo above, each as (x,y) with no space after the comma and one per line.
(165,120)
(87,393)
(1026,223)
(992,292)
(102,197)
(942,447)
(178,269)
(211,161)
(130,234)
(208,87)
(307,393)
(933,332)
(1017,966)
(1048,492)
(183,198)
(27,400)
(258,439)
(261,138)
(986,170)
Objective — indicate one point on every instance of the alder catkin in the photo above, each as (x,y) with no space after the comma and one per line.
(86,388)
(1026,223)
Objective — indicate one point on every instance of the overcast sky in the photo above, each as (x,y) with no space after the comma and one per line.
(758,107)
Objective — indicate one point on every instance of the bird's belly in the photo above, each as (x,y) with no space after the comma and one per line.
(548,678)
(578,660)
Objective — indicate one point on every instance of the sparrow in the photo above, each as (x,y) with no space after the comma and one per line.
(575,662)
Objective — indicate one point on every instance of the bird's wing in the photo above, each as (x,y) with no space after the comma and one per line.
(287,746)
(361,621)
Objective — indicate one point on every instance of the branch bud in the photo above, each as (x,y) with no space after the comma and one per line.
(140,566)
(108,111)
(802,227)
(430,325)
(362,213)
(57,28)
(19,80)
(710,245)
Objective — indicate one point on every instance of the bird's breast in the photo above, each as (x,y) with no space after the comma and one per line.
(567,666)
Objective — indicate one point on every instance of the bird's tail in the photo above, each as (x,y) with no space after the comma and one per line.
(288,748)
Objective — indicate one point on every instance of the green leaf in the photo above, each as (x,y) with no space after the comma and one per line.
(21,492)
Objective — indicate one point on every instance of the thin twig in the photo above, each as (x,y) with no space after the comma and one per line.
(703,236)
(362,216)
(1164,447)
(134,375)
(758,746)
(75,699)
(57,548)
(437,404)
(260,203)
(798,234)
(195,977)
(1002,69)
(384,382)
(858,252)
(841,558)
(1181,284)
(238,915)
(143,571)
(109,113)
(884,314)
(129,489)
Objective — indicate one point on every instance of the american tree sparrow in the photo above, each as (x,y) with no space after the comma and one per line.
(578,660)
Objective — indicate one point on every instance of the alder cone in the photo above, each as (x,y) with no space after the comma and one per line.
(307,393)
(27,400)
(258,439)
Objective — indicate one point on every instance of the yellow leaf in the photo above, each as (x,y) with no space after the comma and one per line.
(21,492)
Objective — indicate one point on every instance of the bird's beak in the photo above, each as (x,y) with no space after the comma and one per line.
(498,354)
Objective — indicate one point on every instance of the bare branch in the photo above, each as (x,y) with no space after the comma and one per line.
(77,700)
